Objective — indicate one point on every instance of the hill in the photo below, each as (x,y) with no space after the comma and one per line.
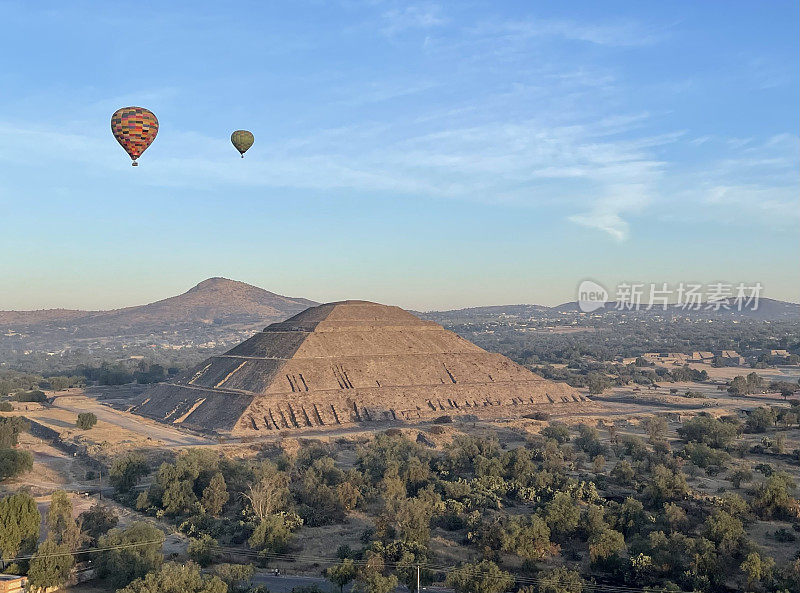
(217,310)
(766,310)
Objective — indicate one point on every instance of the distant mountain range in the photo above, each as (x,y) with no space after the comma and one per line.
(767,310)
(216,301)
(764,309)
(218,313)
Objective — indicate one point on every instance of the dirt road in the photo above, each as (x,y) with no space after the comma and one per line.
(169,437)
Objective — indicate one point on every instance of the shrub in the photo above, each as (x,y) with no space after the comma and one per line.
(129,553)
(86,420)
(186,578)
(704,456)
(14,462)
(784,535)
(708,430)
(127,471)
(558,431)
(761,419)
(10,428)
(30,396)
(443,420)
(483,577)
(589,441)
(97,521)
(202,549)
(6,407)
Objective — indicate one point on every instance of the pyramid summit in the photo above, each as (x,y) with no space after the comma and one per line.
(343,363)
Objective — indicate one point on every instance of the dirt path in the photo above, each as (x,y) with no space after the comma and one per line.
(151,430)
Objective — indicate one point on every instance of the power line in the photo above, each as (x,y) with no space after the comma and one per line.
(254,554)
(85,551)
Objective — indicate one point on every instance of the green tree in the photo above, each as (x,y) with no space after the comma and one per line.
(666,485)
(739,476)
(557,431)
(271,535)
(177,578)
(132,553)
(562,514)
(202,549)
(51,566)
(236,576)
(410,520)
(529,538)
(623,473)
(10,429)
(98,520)
(371,577)
(711,431)
(59,516)
(605,546)
(482,577)
(761,419)
(126,471)
(757,569)
(19,524)
(726,531)
(61,527)
(179,497)
(656,428)
(14,462)
(86,420)
(597,382)
(588,440)
(675,516)
(558,580)
(342,573)
(773,497)
(215,495)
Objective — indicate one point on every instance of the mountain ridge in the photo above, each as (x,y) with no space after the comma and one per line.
(203,295)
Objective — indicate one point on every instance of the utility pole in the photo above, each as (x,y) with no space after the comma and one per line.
(418,589)
(101,483)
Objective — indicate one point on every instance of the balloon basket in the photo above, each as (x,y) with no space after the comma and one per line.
(134,164)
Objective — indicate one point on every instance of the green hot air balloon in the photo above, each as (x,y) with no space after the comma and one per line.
(242,140)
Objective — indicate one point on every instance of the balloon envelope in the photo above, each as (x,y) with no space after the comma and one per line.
(135,128)
(242,140)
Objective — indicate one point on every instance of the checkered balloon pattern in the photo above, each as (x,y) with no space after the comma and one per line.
(135,128)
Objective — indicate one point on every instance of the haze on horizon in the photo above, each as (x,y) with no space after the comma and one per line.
(428,155)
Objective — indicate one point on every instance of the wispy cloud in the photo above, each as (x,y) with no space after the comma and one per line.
(413,16)
(617,34)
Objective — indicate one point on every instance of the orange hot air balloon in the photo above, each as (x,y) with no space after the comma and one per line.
(135,128)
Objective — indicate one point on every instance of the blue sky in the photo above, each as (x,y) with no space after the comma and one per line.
(430,155)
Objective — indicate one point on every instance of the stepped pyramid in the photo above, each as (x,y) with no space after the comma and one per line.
(343,363)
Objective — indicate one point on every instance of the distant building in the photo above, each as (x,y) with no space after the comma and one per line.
(779,353)
(11,583)
(704,357)
(731,358)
